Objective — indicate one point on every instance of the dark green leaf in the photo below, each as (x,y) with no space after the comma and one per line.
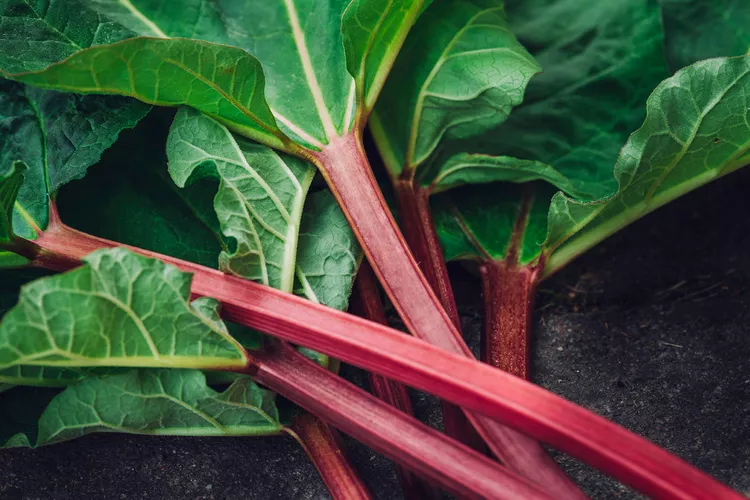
(58,136)
(37,33)
(701,29)
(130,198)
(600,61)
(696,130)
(460,72)
(120,309)
(159,402)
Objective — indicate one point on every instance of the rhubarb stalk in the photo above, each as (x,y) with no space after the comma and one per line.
(416,219)
(468,383)
(508,307)
(348,173)
(386,430)
(367,304)
(324,446)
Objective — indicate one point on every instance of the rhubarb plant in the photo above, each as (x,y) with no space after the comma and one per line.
(598,66)
(291,75)
(267,94)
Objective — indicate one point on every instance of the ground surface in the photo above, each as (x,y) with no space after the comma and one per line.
(650,330)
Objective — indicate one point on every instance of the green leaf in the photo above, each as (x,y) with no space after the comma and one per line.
(260,197)
(696,130)
(465,168)
(600,61)
(222,81)
(328,256)
(461,71)
(37,33)
(131,183)
(120,309)
(374,31)
(305,46)
(501,221)
(159,402)
(9,186)
(58,136)
(701,29)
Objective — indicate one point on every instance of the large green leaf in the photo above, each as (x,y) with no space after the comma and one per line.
(120,309)
(301,44)
(222,81)
(159,402)
(701,29)
(461,71)
(600,61)
(260,197)
(696,130)
(58,136)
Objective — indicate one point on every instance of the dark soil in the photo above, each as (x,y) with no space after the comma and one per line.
(649,330)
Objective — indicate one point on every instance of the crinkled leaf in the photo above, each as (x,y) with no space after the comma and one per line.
(701,29)
(260,198)
(58,136)
(159,402)
(696,130)
(37,33)
(328,255)
(600,62)
(120,309)
(461,71)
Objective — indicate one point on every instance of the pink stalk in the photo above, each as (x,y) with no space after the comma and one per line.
(465,382)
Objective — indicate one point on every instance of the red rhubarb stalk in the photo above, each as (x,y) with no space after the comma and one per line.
(366,303)
(416,219)
(388,431)
(508,307)
(350,177)
(468,383)
(324,446)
